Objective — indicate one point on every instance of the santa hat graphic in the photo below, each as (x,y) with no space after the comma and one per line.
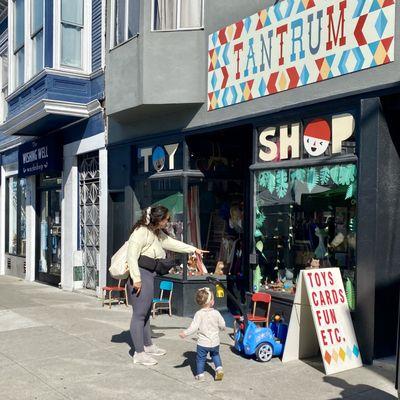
(318,129)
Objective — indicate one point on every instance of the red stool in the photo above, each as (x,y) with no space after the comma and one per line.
(120,289)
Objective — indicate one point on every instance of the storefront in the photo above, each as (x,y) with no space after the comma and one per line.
(324,174)
(42,161)
(204,184)
(305,97)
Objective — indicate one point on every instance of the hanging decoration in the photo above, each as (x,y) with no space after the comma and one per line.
(279,181)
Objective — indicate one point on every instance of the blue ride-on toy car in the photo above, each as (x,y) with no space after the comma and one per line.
(250,339)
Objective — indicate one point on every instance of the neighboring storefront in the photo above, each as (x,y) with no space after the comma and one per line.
(42,159)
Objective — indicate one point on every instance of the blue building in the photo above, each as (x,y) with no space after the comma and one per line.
(53,141)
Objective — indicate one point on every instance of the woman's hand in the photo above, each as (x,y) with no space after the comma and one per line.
(182,335)
(201,252)
(138,287)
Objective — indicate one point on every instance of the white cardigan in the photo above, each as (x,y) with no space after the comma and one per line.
(144,242)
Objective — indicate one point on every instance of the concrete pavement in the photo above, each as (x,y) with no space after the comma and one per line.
(61,345)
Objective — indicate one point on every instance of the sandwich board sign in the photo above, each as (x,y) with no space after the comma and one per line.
(321,319)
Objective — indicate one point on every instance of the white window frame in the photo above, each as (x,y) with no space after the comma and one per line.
(3,85)
(178,19)
(112,25)
(86,39)
(12,56)
(4,89)
(34,34)
(28,47)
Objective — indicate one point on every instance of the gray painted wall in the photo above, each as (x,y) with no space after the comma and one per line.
(159,69)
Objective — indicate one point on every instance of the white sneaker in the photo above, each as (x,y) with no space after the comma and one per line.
(200,378)
(154,350)
(144,359)
(219,374)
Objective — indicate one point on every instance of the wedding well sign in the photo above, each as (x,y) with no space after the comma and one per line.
(321,318)
(297,42)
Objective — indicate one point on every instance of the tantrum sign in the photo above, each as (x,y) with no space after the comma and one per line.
(297,42)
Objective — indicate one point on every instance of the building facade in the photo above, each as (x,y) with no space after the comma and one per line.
(269,130)
(56,163)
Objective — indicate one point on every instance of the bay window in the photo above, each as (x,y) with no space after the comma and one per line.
(4,83)
(177,14)
(126,20)
(19,42)
(37,35)
(72,23)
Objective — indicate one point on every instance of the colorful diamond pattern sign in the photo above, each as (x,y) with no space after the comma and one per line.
(295,43)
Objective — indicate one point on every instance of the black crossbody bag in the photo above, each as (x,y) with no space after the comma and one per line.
(160,266)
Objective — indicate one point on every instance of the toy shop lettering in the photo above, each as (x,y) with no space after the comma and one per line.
(303,37)
(282,142)
(158,155)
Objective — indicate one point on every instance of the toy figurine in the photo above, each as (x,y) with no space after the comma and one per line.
(288,282)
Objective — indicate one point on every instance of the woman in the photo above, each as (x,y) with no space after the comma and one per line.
(148,239)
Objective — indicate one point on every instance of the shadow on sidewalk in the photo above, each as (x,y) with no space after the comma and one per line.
(124,337)
(191,362)
(366,392)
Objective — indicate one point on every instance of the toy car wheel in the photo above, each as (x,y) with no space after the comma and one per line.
(264,352)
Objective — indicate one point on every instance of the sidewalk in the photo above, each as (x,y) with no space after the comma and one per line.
(60,345)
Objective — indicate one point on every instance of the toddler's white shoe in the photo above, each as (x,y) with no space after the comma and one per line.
(200,378)
(143,359)
(154,350)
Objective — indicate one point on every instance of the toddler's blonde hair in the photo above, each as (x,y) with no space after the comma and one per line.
(204,296)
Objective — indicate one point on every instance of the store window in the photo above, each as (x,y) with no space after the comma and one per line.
(125,21)
(306,217)
(217,201)
(72,23)
(16,216)
(177,14)
(167,192)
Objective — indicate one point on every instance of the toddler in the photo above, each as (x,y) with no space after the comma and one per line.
(206,322)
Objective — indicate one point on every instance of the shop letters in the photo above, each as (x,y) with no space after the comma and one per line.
(318,134)
(159,161)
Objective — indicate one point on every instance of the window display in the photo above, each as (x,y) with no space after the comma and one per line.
(216,215)
(217,200)
(305,218)
(168,193)
(16,216)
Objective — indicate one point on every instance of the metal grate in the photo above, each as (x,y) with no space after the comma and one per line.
(9,263)
(3,9)
(89,191)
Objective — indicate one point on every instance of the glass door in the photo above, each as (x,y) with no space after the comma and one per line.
(50,236)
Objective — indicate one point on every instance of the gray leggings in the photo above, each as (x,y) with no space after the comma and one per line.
(141,309)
